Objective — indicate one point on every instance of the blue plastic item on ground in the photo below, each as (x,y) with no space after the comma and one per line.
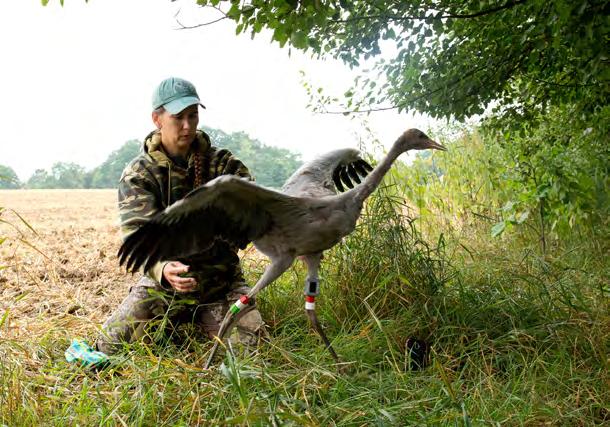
(80,352)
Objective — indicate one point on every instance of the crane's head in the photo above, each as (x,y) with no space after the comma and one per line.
(415,139)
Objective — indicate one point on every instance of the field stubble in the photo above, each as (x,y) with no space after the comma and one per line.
(65,274)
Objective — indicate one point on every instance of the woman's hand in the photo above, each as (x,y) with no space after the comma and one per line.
(171,273)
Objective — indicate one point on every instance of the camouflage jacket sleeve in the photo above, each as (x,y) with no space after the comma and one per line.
(138,202)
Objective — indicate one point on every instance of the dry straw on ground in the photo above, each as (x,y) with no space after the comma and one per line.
(66,275)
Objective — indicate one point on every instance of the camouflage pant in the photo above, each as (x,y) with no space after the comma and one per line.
(148,301)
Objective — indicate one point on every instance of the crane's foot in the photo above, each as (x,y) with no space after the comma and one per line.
(313,318)
(312,289)
(211,356)
(238,309)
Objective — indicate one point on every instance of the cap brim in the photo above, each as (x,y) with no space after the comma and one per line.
(177,105)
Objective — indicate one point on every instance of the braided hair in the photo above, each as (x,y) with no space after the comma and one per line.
(198,181)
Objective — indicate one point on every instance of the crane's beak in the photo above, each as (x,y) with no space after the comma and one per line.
(435,145)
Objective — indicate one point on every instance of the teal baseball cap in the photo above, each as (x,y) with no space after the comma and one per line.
(175,94)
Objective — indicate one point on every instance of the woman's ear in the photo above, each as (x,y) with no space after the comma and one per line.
(156,118)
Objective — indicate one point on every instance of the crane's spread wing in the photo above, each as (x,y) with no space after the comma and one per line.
(329,172)
(227,208)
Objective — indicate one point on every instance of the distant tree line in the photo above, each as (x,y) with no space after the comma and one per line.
(271,166)
(8,178)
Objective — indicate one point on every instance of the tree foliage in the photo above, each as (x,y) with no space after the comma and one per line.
(538,69)
(449,58)
(560,176)
(8,178)
(107,174)
(271,166)
(39,179)
(62,175)
(551,182)
(61,2)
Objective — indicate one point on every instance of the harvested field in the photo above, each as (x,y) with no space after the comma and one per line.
(66,273)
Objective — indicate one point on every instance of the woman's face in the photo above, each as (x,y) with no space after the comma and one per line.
(177,130)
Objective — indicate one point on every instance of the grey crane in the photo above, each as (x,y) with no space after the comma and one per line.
(305,219)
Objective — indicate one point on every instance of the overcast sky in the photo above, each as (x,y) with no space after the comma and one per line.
(76,82)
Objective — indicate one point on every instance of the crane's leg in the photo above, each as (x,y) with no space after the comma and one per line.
(312,289)
(273,271)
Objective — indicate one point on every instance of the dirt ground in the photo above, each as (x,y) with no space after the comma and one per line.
(65,275)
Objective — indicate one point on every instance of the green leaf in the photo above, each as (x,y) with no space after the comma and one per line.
(234,11)
(498,229)
(389,34)
(27,224)
(437,25)
(280,36)
(4,317)
(299,39)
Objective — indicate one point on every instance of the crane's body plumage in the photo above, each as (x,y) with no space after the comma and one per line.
(306,218)
(321,225)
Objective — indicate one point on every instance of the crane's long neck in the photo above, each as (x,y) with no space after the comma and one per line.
(372,181)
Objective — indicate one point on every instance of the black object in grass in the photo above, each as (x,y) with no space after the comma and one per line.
(417,353)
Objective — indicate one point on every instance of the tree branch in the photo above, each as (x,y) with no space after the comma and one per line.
(507,5)
(184,27)
(446,15)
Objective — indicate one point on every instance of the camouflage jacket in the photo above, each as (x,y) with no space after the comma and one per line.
(152,181)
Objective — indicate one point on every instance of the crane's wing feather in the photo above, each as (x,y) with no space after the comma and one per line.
(337,180)
(345,178)
(353,173)
(344,174)
(227,208)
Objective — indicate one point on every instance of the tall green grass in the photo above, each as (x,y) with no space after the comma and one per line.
(516,338)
